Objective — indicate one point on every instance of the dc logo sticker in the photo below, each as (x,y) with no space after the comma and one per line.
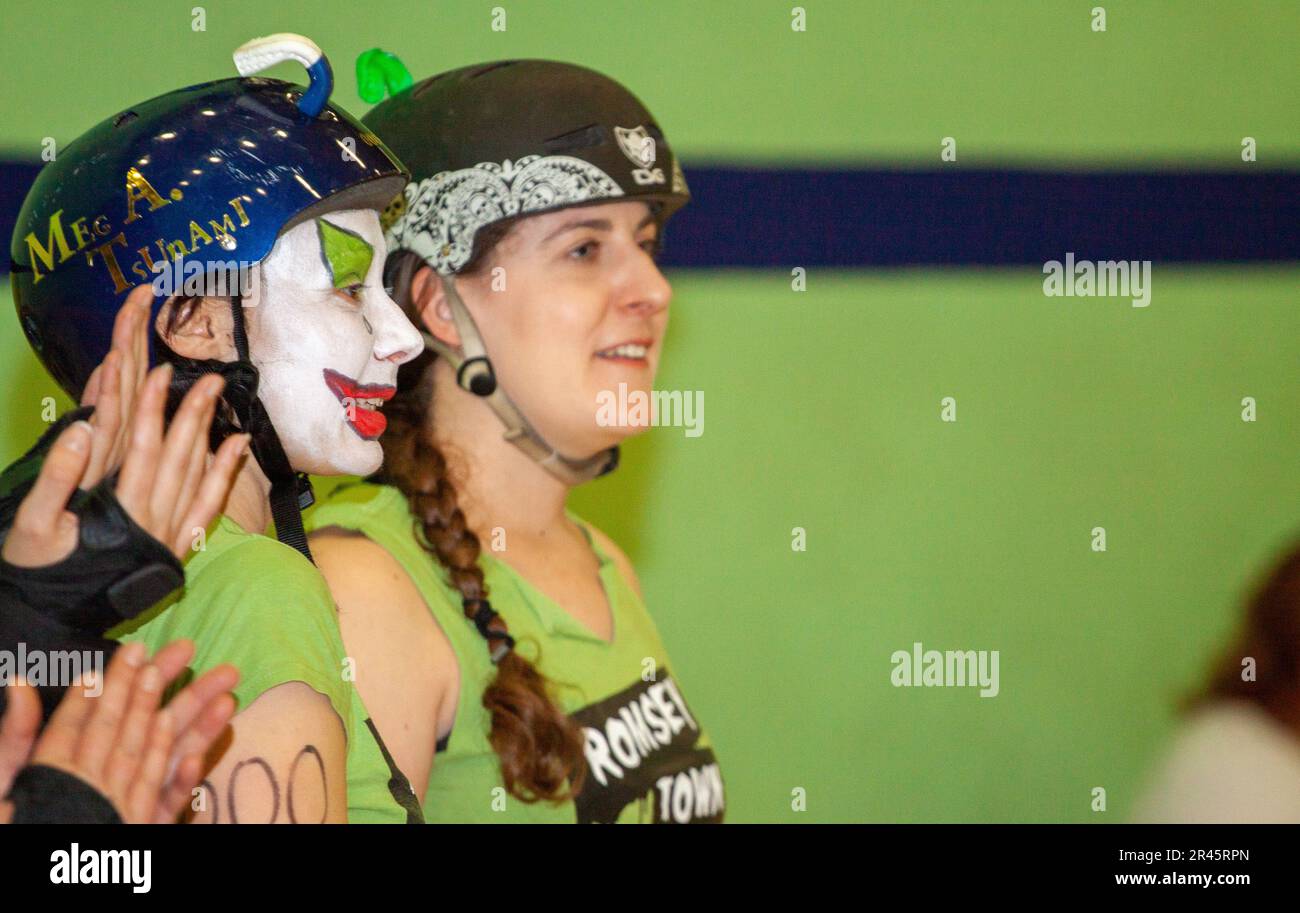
(639,147)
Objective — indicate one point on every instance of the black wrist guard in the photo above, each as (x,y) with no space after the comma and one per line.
(47,795)
(116,571)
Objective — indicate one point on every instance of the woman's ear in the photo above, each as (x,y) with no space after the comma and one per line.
(431,303)
(203,328)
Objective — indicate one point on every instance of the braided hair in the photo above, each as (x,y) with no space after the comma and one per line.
(539,747)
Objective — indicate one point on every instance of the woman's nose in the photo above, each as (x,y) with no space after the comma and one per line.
(396,340)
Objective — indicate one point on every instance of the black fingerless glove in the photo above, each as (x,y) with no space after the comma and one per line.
(48,795)
(117,569)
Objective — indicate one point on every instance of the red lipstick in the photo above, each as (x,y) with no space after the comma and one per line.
(361,403)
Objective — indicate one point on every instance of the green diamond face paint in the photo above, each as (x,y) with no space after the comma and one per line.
(347,256)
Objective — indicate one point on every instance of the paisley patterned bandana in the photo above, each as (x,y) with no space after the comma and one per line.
(438,217)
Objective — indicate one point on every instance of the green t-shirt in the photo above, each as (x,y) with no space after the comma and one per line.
(253,601)
(648,758)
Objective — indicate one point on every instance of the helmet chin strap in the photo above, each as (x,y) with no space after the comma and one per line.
(291,491)
(474,373)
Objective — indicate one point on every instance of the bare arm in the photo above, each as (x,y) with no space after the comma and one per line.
(406,671)
(139,758)
(285,763)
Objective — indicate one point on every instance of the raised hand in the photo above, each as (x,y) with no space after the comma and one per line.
(146,761)
(114,385)
(168,484)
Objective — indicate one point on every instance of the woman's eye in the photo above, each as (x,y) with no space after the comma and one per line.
(588,249)
(353,291)
(584,251)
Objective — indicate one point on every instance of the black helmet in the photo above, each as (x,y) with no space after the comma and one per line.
(499,140)
(515,137)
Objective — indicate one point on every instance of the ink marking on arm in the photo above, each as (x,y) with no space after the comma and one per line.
(293,779)
(271,781)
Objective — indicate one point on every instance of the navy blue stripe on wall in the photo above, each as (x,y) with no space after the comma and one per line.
(15,180)
(784,217)
(863,218)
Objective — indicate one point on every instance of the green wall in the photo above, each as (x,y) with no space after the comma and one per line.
(822,406)
(1170,80)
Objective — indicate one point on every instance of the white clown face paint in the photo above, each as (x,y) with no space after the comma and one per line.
(327,356)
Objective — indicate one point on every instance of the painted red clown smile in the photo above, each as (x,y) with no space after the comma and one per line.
(361,403)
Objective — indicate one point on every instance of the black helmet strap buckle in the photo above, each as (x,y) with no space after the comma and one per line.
(474,373)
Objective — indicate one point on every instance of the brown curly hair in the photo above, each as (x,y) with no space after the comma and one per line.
(539,747)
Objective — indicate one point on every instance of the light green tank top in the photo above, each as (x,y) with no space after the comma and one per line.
(648,758)
(253,601)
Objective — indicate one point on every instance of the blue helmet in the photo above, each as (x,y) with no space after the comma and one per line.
(212,173)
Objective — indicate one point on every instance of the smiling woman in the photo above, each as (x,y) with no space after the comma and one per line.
(303,747)
(526,251)
(327,340)
(321,307)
